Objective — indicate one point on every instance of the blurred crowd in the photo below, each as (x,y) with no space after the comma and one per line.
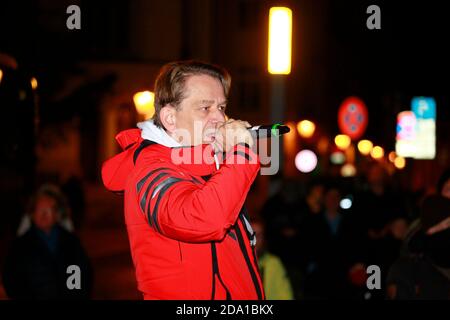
(314,241)
(326,238)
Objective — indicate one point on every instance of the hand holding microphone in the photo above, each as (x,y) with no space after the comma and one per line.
(231,133)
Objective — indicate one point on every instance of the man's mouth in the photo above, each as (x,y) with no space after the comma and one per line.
(210,138)
(210,134)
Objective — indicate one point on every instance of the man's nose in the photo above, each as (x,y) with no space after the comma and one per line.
(216,116)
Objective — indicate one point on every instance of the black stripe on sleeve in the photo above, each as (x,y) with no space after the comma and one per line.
(242,154)
(144,179)
(149,187)
(161,188)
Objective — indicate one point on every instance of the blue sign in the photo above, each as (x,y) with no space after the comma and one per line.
(424,108)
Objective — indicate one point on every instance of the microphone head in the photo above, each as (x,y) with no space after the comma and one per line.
(279,129)
(267,131)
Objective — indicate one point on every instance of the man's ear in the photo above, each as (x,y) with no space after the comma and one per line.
(167,117)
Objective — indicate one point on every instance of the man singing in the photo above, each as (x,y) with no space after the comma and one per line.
(185,175)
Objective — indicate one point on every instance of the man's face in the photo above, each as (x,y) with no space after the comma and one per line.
(45,214)
(202,110)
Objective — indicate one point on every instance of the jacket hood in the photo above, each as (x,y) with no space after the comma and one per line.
(116,169)
(156,134)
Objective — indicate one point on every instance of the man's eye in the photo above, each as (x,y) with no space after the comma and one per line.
(204,108)
(222,108)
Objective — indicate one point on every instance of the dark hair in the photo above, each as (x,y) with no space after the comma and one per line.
(170,83)
(54,192)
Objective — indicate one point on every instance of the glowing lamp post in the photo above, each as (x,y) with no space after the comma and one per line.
(280,40)
(145,103)
(34,83)
(279,62)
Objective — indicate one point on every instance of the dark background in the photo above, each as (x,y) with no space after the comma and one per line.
(88,77)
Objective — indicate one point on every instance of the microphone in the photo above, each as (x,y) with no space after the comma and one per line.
(269,130)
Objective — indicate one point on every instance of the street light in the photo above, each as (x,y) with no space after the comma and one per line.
(34,83)
(306,128)
(342,141)
(279,65)
(1,75)
(400,163)
(377,152)
(365,147)
(306,161)
(145,103)
(392,156)
(280,40)
(348,170)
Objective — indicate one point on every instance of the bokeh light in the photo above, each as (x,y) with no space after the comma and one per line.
(400,163)
(377,152)
(306,161)
(348,170)
(145,103)
(342,141)
(365,147)
(306,128)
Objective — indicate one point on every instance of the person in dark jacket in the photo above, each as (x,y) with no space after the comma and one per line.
(423,273)
(323,249)
(43,262)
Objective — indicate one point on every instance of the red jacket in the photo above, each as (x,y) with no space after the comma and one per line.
(189,235)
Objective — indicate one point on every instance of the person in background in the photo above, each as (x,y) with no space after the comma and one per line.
(283,217)
(276,282)
(323,248)
(38,262)
(373,210)
(424,272)
(313,203)
(443,189)
(64,213)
